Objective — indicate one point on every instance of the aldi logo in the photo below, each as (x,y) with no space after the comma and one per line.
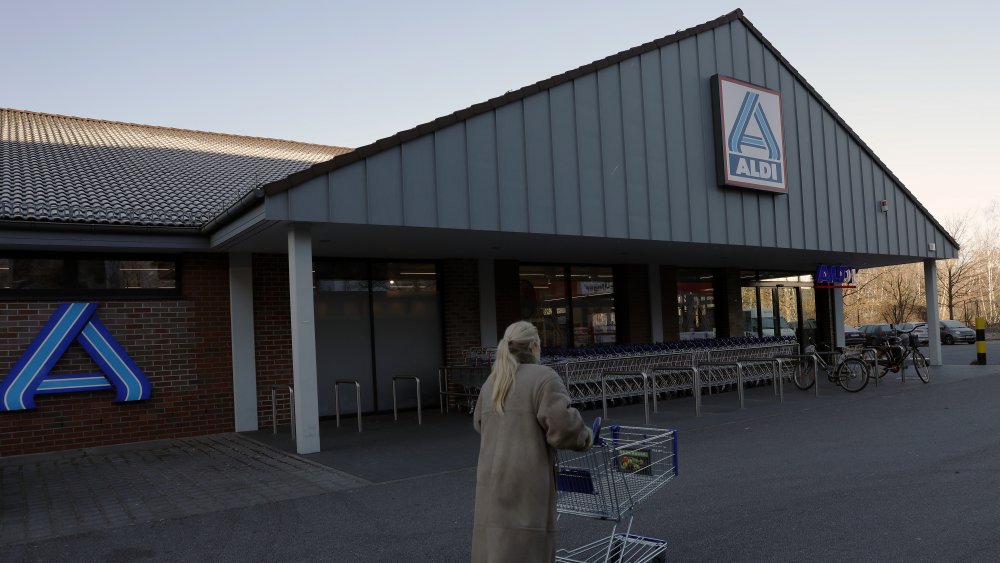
(749,135)
(72,322)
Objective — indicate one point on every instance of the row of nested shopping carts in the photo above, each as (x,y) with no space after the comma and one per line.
(626,465)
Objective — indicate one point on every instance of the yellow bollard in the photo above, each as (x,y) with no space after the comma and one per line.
(981,341)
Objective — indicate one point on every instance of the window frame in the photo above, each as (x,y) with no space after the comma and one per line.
(72,290)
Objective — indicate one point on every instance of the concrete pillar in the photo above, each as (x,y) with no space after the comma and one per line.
(655,304)
(300,283)
(933,332)
(487,303)
(242,336)
(838,316)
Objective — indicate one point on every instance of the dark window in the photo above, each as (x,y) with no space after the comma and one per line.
(88,277)
(556,298)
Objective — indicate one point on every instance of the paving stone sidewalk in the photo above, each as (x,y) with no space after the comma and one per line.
(50,495)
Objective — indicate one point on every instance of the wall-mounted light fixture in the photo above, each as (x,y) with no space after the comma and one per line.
(884,205)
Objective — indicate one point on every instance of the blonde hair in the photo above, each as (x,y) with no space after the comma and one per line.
(517,339)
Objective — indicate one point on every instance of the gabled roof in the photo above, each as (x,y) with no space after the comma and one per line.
(365,151)
(75,170)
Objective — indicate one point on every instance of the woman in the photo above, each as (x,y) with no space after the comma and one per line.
(523,416)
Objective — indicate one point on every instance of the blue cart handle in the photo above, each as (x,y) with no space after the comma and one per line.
(597,431)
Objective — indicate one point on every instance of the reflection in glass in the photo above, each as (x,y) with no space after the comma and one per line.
(126,274)
(32,273)
(593,306)
(695,304)
(543,302)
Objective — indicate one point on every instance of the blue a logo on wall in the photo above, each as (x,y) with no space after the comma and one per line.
(72,322)
(750,135)
(836,277)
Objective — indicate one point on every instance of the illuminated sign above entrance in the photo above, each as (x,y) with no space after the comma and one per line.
(749,134)
(72,322)
(836,277)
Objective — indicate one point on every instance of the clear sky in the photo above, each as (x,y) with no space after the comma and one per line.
(917,80)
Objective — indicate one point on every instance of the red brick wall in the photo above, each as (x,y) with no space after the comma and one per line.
(272,318)
(181,344)
(459,294)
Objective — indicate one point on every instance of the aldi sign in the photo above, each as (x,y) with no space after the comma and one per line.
(749,135)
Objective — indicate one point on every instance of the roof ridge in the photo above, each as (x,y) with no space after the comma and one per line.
(167,128)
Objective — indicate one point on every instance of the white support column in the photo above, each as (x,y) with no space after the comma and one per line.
(300,283)
(838,317)
(242,338)
(487,303)
(655,304)
(933,318)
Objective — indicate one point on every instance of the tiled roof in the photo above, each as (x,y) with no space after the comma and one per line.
(76,170)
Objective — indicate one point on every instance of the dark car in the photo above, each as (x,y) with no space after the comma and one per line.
(877,334)
(852,336)
(955,331)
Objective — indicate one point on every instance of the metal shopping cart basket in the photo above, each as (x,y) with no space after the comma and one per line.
(626,465)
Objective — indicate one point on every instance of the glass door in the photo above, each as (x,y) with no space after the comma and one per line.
(343,333)
(407,332)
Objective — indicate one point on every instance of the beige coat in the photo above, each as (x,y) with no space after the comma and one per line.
(515,514)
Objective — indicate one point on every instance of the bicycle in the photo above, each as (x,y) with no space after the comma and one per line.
(849,371)
(893,353)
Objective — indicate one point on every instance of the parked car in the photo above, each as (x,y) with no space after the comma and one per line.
(877,333)
(955,331)
(920,329)
(852,336)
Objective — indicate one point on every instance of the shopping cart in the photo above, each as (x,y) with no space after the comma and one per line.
(626,465)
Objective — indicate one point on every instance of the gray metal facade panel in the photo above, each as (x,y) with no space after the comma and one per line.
(348,194)
(633,130)
(565,171)
(716,198)
(588,146)
(538,164)
(482,164)
(694,147)
(802,137)
(676,144)
(612,153)
(819,160)
(859,204)
(777,207)
(383,172)
(452,177)
(310,201)
(843,186)
(833,191)
(655,142)
(511,174)
(629,151)
(419,183)
(740,205)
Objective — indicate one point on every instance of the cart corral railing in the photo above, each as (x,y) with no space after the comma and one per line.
(625,375)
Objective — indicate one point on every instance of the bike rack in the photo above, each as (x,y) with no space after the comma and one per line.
(803,357)
(274,407)
(873,361)
(336,398)
(739,374)
(645,390)
(395,414)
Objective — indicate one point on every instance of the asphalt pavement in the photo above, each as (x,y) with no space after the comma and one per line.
(898,472)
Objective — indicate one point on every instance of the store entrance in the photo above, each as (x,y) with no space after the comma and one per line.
(779,305)
(376,321)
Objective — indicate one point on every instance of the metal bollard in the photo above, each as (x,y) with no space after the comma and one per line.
(981,341)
